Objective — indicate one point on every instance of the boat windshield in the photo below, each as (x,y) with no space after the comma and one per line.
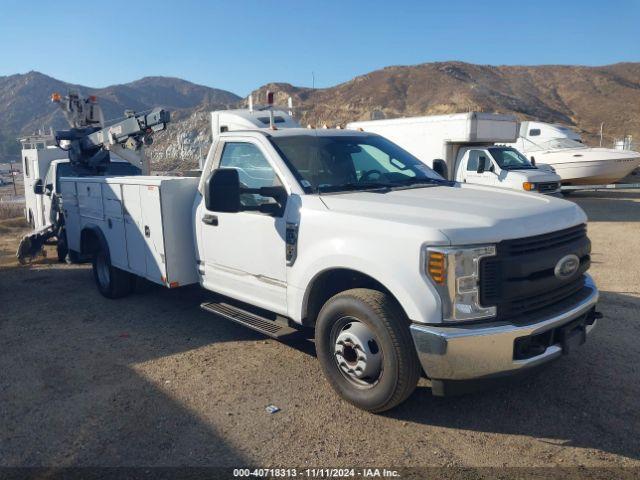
(554,144)
(510,159)
(340,163)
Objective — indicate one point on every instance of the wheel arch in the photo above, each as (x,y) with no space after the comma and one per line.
(331,281)
(92,240)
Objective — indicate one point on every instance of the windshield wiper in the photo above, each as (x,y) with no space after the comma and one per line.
(519,167)
(354,186)
(422,182)
(381,187)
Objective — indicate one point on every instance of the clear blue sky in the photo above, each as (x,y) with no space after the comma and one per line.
(240,45)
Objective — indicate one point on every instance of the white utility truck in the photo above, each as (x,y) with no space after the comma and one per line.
(400,272)
(463,147)
(38,151)
(46,193)
(90,148)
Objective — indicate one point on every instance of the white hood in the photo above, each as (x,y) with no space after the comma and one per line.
(466,214)
(537,175)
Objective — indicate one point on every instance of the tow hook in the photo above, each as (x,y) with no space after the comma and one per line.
(593,316)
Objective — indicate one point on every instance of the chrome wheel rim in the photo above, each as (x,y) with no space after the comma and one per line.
(357,352)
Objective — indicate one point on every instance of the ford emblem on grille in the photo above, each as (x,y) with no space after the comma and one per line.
(566,267)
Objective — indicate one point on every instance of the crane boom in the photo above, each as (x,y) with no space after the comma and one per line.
(88,142)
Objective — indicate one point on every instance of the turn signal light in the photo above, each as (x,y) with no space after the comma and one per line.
(56,97)
(528,186)
(436,267)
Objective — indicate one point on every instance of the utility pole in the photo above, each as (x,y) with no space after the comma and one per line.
(13,178)
(601,130)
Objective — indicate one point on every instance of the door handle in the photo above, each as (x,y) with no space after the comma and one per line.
(210,220)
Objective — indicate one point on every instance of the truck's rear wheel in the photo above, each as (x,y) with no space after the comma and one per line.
(111,281)
(365,349)
(61,248)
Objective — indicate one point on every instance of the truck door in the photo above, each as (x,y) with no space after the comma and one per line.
(134,229)
(37,170)
(468,168)
(244,252)
(47,197)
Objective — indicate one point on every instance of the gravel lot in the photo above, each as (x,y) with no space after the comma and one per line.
(152,380)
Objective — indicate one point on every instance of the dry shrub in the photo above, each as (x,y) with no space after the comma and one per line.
(11,210)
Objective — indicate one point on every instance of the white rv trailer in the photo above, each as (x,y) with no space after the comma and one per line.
(463,147)
(346,233)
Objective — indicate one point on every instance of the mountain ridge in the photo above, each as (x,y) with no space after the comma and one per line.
(25,105)
(580,96)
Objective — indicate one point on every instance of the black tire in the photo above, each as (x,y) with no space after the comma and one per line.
(62,249)
(111,281)
(384,318)
(74,257)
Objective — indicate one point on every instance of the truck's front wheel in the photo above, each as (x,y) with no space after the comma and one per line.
(365,349)
(111,281)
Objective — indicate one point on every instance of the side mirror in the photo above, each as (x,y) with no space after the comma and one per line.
(279,194)
(222,191)
(222,194)
(440,167)
(533,160)
(270,208)
(48,189)
(481,165)
(38,189)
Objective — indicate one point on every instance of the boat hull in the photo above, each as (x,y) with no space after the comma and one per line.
(591,166)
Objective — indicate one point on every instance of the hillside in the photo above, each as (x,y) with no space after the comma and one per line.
(582,97)
(579,96)
(25,106)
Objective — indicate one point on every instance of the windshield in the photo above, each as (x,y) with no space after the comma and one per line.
(510,159)
(340,163)
(553,144)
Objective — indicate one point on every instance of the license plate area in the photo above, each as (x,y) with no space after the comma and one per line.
(569,337)
(572,335)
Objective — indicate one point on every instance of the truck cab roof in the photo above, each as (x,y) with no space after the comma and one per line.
(299,131)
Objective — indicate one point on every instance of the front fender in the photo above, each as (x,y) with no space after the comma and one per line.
(403,278)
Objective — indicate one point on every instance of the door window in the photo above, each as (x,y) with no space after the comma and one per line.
(253,169)
(472,163)
(475,157)
(48,180)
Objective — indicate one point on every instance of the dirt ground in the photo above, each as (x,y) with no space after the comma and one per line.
(152,380)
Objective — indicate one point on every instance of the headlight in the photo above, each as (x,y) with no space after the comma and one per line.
(455,272)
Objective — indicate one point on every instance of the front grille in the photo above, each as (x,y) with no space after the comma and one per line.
(546,187)
(520,279)
(530,305)
(547,241)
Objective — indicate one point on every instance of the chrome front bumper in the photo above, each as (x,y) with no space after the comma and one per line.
(470,352)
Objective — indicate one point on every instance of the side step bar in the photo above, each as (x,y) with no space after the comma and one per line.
(263,325)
